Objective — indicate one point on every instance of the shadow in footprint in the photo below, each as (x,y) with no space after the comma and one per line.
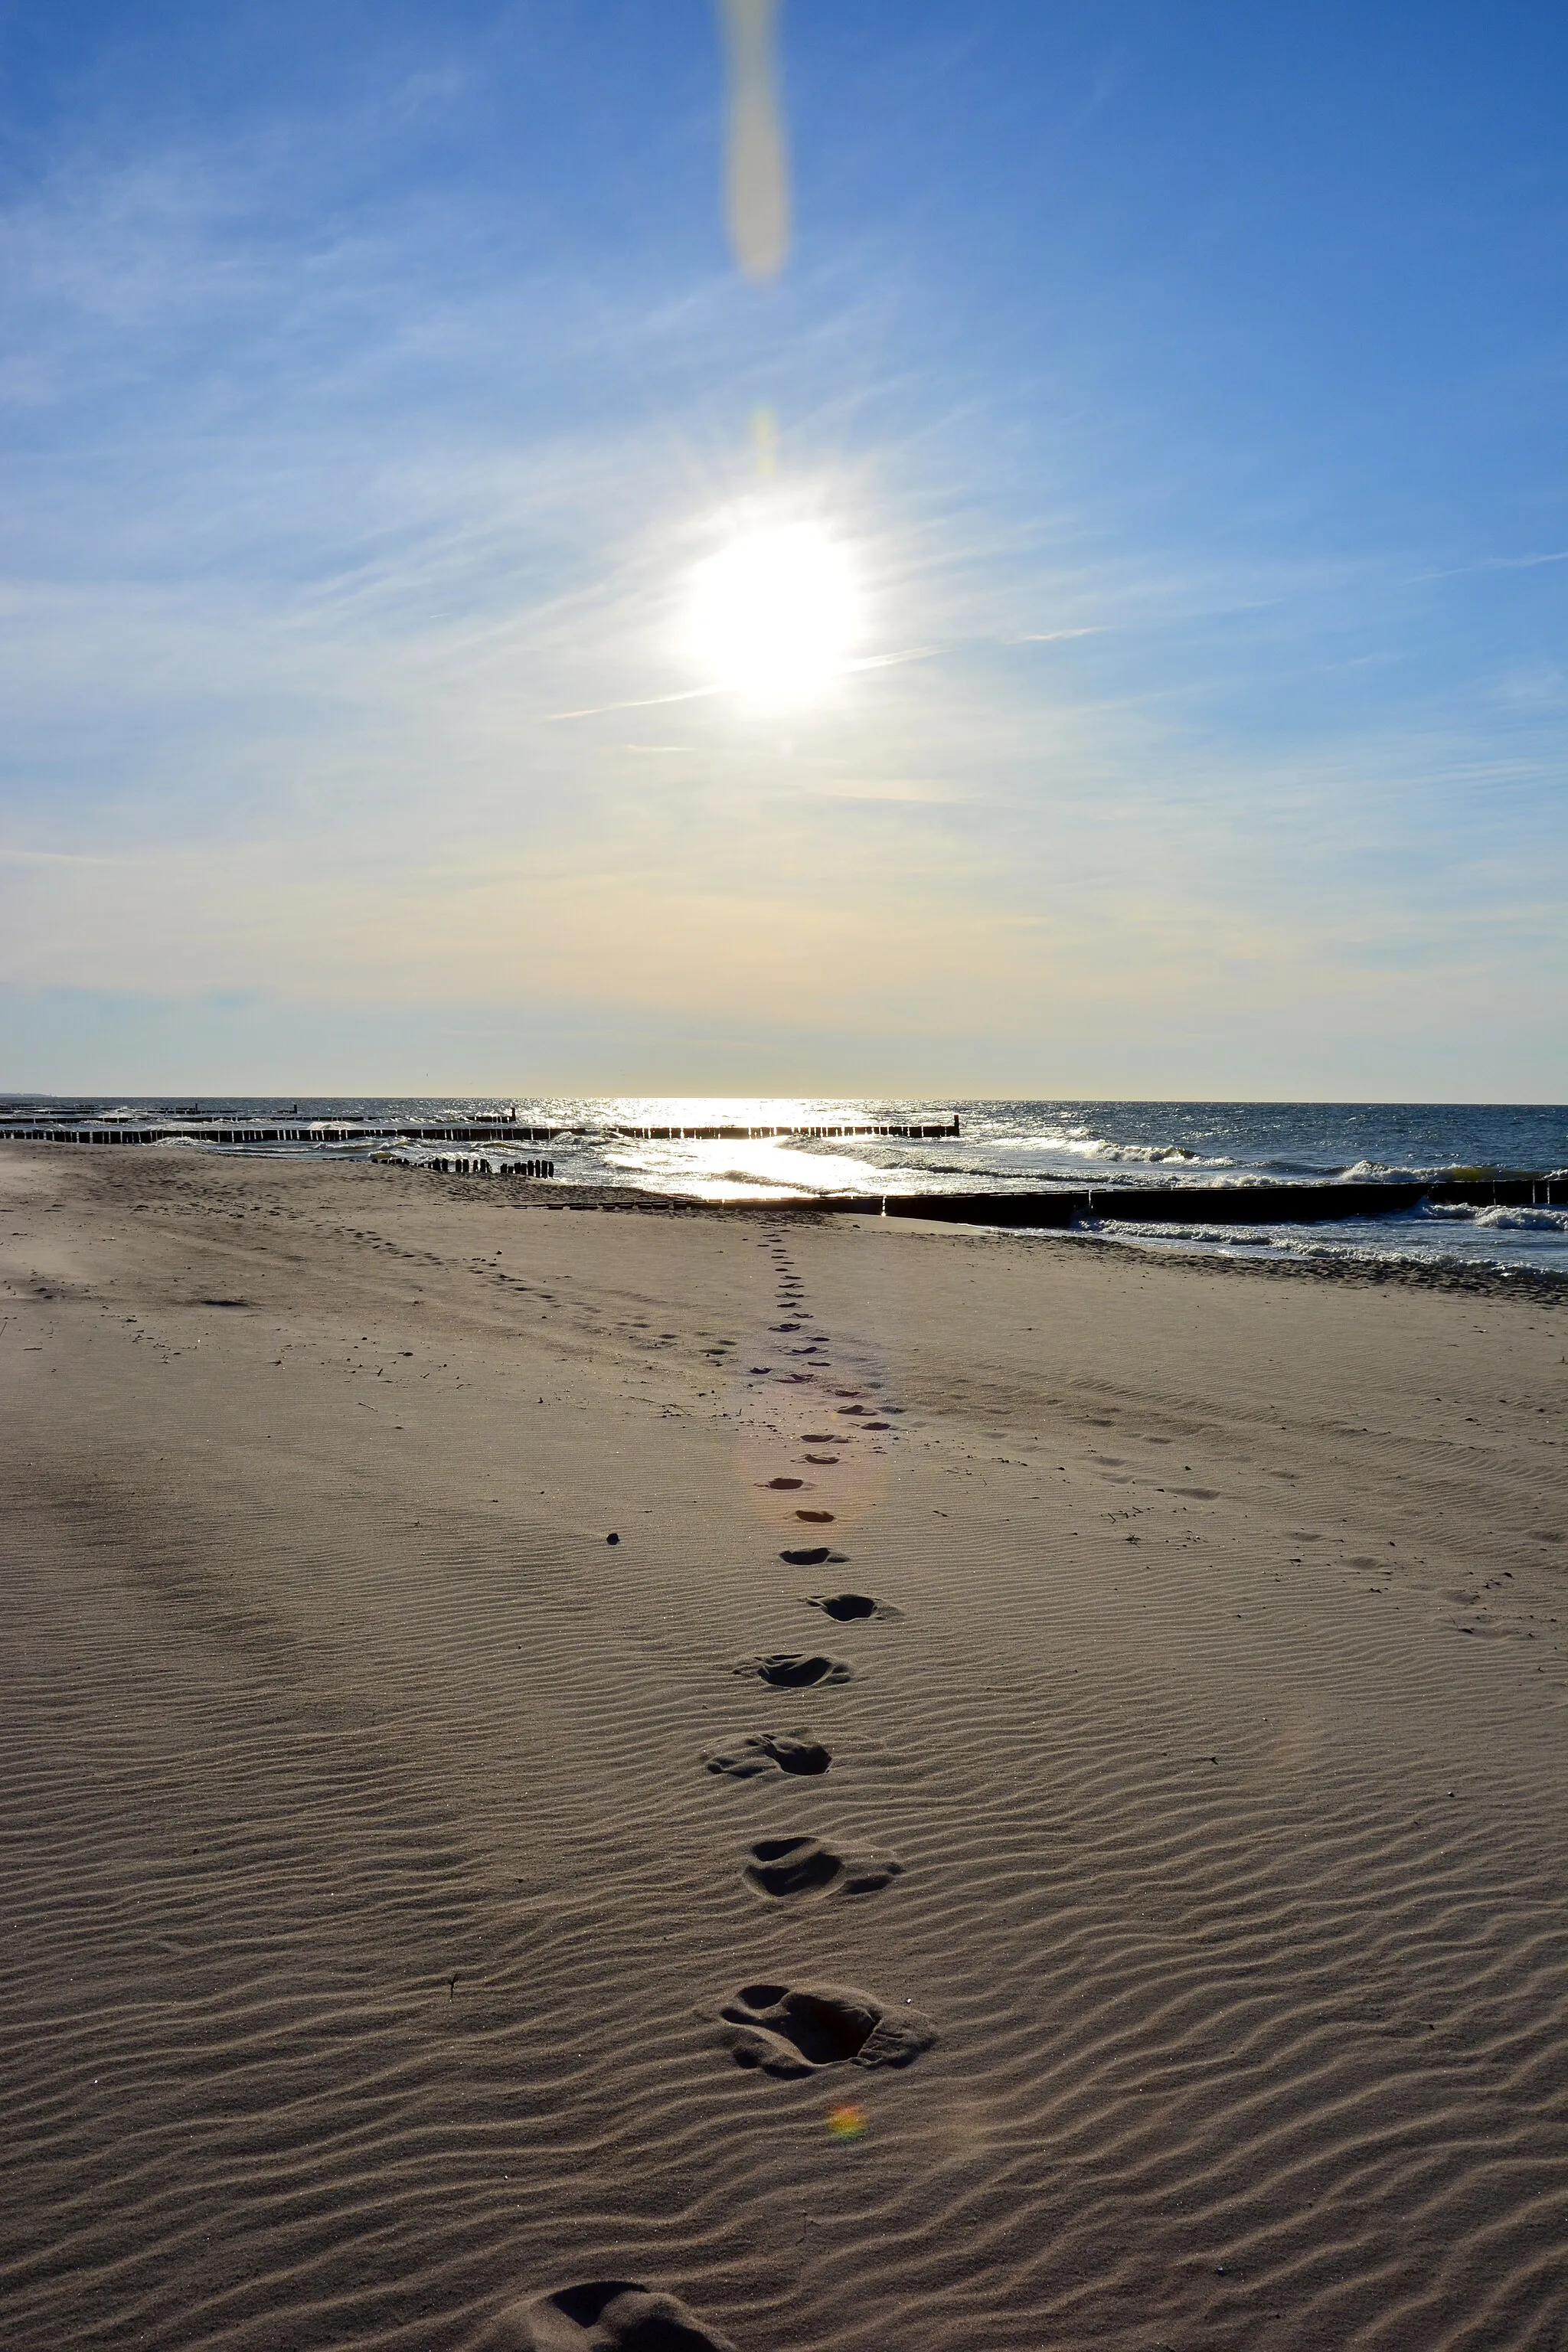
(799,1869)
(815,1556)
(792,2030)
(603,2315)
(791,1484)
(799,1669)
(753,1752)
(847,1608)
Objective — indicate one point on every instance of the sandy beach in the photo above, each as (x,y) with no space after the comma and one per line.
(453,1857)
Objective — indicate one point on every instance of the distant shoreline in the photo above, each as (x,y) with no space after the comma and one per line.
(1451,1275)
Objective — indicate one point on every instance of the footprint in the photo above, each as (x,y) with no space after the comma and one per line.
(843,1607)
(822,1461)
(604,2316)
(791,1484)
(791,2029)
(754,1752)
(817,1518)
(791,1869)
(798,1670)
(814,1557)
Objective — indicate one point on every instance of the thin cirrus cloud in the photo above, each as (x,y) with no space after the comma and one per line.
(353,502)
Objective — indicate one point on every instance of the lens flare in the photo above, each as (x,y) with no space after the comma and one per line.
(756,177)
(776,613)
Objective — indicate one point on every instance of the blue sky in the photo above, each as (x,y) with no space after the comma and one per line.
(1187,384)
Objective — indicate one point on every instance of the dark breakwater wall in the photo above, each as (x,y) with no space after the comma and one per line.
(1224,1204)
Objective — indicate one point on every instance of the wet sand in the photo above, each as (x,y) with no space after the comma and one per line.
(1105,1891)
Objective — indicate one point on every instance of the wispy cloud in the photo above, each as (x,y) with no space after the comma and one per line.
(1495,563)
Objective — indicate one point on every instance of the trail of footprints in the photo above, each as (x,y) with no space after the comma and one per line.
(786,2031)
(795,2029)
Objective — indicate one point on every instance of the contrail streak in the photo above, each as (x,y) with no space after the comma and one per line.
(647,702)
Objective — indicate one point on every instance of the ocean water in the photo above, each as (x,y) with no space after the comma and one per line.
(1001,1145)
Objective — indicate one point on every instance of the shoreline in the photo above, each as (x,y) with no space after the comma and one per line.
(1535,1284)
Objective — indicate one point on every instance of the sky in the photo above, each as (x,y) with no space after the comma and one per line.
(1182,388)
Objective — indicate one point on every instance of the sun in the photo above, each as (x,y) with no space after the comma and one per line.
(776,613)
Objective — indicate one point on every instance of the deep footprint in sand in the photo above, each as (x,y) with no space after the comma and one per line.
(847,1608)
(604,2316)
(792,2030)
(798,1670)
(815,1556)
(753,1752)
(801,1869)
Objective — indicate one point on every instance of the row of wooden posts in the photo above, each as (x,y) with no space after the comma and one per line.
(469,1167)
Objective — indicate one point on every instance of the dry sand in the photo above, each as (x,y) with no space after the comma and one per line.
(408,1912)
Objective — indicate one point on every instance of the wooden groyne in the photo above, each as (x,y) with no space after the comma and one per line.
(444,1166)
(948,1127)
(1224,1204)
(485,1132)
(308,1131)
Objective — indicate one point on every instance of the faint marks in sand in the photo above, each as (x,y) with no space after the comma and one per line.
(1490,1611)
(1298,1737)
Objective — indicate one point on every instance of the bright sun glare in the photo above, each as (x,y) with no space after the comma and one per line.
(775,615)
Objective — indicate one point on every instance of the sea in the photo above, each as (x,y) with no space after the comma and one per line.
(1000,1146)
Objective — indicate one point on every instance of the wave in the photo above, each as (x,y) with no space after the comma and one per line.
(1524,1217)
